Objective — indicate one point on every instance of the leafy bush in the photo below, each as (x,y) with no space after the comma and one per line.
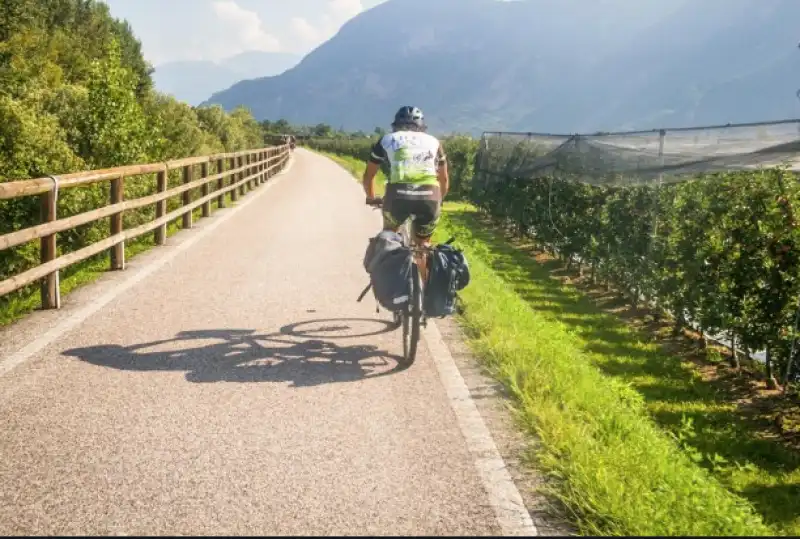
(76,94)
(718,249)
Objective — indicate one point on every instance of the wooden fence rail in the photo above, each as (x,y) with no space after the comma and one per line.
(248,169)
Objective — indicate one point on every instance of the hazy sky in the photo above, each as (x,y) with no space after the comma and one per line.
(214,29)
(173,30)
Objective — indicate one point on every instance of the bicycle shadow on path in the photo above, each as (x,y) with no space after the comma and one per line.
(304,357)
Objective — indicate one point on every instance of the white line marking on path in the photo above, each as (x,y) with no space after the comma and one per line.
(509,508)
(21,356)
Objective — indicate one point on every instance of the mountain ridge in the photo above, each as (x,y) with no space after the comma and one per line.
(544,65)
(194,80)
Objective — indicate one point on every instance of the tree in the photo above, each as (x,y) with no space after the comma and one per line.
(177,130)
(281,126)
(114,128)
(322,130)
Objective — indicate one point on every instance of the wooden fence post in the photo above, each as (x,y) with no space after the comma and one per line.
(161,206)
(245,160)
(248,161)
(262,156)
(50,292)
(221,182)
(241,175)
(187,195)
(118,251)
(234,192)
(206,190)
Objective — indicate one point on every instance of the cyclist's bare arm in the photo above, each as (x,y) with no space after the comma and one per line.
(442,174)
(368,180)
(377,157)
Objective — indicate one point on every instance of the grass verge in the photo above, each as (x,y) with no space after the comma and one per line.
(356,168)
(637,443)
(615,469)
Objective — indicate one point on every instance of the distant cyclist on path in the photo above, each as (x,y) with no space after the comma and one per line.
(417,181)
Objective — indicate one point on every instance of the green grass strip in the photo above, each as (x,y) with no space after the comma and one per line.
(356,168)
(615,469)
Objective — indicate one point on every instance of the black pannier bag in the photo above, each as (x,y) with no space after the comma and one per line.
(388,263)
(448,273)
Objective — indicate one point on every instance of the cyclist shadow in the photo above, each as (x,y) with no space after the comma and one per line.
(245,356)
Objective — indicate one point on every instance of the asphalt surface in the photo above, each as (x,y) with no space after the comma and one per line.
(239,389)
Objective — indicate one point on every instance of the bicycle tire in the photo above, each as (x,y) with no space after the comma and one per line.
(411,324)
(406,320)
(406,334)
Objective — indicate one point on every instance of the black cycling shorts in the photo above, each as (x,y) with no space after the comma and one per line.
(422,203)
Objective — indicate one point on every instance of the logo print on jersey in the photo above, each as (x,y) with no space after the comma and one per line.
(412,158)
(422,158)
(397,142)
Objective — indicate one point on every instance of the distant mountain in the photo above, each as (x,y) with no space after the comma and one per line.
(194,81)
(544,65)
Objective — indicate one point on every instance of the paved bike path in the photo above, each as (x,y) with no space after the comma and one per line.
(238,389)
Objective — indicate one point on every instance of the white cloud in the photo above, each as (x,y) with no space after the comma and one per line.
(243,31)
(345,9)
(304,30)
(337,13)
(216,29)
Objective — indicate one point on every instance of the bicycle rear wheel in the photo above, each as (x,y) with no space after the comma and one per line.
(411,318)
(401,318)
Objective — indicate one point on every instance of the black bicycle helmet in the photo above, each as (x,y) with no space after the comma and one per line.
(410,117)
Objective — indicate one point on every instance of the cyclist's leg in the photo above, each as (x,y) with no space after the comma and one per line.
(426,217)
(389,221)
(395,209)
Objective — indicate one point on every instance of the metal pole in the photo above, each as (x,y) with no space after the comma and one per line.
(662,135)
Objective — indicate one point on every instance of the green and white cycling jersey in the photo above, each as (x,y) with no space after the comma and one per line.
(413,157)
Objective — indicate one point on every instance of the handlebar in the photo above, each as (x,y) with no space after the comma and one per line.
(375,202)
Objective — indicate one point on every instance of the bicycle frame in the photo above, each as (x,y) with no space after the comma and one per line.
(413,316)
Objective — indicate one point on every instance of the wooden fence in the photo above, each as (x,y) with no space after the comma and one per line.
(245,171)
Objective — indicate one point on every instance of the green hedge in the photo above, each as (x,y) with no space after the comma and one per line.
(720,249)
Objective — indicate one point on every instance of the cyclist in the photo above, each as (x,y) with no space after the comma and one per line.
(417,181)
